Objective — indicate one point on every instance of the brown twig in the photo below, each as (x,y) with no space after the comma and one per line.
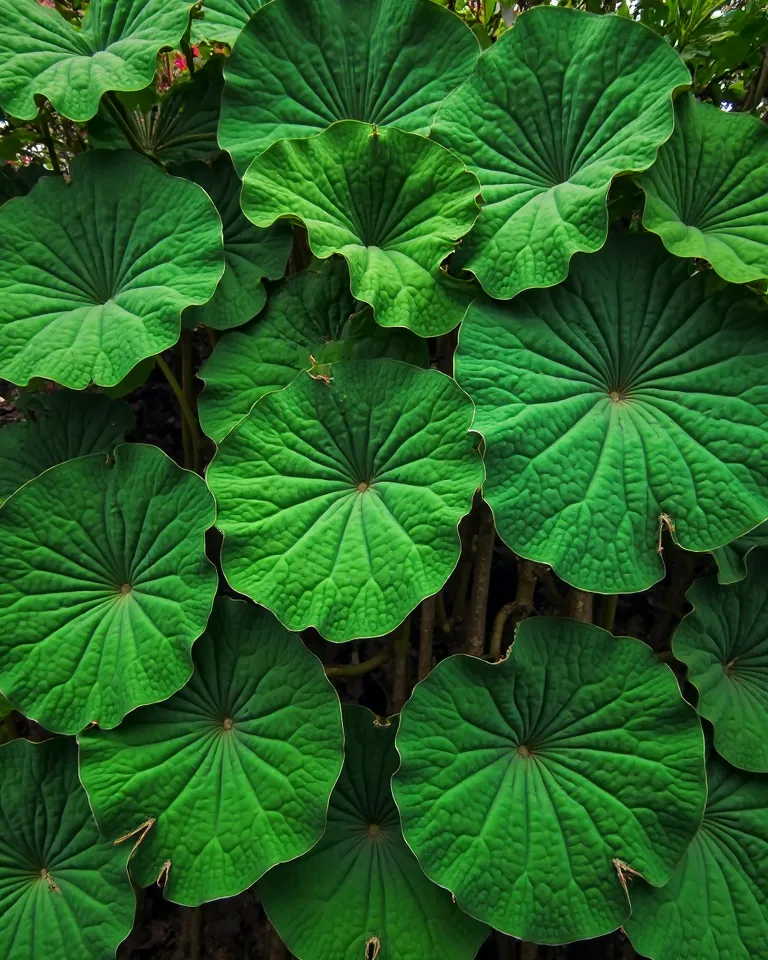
(580,605)
(481,582)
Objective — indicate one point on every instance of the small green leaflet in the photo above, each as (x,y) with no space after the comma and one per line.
(395,237)
(311,321)
(222,20)
(716,904)
(104,586)
(724,643)
(530,787)
(706,194)
(64,890)
(732,559)
(232,774)
(360,889)
(558,107)
(339,501)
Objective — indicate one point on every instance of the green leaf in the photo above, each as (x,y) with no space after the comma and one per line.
(132,380)
(563,103)
(716,904)
(706,194)
(623,401)
(104,586)
(732,559)
(312,317)
(223,20)
(361,887)
(339,502)
(64,890)
(527,787)
(393,204)
(94,276)
(116,49)
(59,426)
(18,181)
(300,65)
(724,643)
(235,770)
(250,253)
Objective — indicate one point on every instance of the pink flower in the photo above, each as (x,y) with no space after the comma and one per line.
(180,63)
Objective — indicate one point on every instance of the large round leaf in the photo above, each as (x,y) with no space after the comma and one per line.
(393,204)
(300,65)
(715,907)
(562,104)
(250,253)
(64,890)
(623,401)
(94,276)
(116,49)
(732,559)
(58,426)
(724,642)
(312,320)
(104,586)
(361,892)
(340,501)
(234,771)
(222,20)
(530,788)
(706,195)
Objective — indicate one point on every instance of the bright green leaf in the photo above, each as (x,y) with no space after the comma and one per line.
(313,317)
(300,65)
(94,276)
(339,502)
(394,204)
(57,427)
(361,885)
(235,770)
(64,890)
(223,20)
(132,380)
(715,907)
(527,786)
(706,194)
(104,586)
(116,49)
(563,103)
(732,559)
(623,401)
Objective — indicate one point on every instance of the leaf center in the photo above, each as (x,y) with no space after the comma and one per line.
(362,486)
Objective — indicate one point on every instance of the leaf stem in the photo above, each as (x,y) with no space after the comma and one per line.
(580,605)
(173,383)
(51,146)
(608,611)
(115,109)
(359,669)
(400,679)
(187,387)
(426,633)
(519,609)
(481,582)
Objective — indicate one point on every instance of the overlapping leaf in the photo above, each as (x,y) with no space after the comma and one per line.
(531,786)
(94,276)
(18,181)
(706,196)
(116,49)
(64,890)
(732,559)
(557,108)
(393,204)
(360,891)
(623,401)
(300,65)
(312,320)
(716,904)
(339,501)
(104,586)
(234,771)
(222,20)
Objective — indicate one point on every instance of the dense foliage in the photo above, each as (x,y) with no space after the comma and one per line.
(383,479)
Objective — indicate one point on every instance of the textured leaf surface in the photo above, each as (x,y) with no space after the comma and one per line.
(64,890)
(715,907)
(116,49)
(58,427)
(562,104)
(236,769)
(104,586)
(250,253)
(94,276)
(312,317)
(706,195)
(724,643)
(393,204)
(361,883)
(300,65)
(732,559)
(623,395)
(339,502)
(522,781)
(223,20)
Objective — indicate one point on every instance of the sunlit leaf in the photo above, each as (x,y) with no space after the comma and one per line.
(222,20)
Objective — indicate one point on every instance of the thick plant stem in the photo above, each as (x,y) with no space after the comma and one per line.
(580,605)
(400,678)
(518,609)
(481,582)
(193,930)
(608,611)
(186,412)
(359,669)
(426,633)
(115,110)
(277,949)
(187,386)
